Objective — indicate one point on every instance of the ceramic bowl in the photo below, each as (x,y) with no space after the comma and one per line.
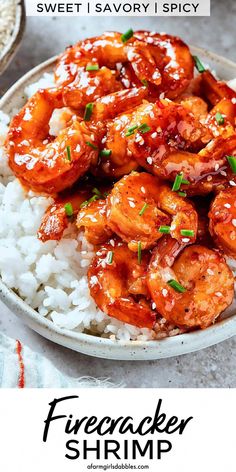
(105,348)
(11,47)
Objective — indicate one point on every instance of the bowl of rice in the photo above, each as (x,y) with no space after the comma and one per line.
(45,284)
(12,23)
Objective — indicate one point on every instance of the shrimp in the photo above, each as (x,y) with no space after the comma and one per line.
(93,220)
(58,216)
(161,60)
(206,284)
(222,221)
(215,90)
(41,163)
(139,205)
(117,282)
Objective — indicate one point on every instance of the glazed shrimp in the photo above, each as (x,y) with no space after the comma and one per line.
(139,205)
(222,221)
(117,282)
(215,90)
(58,216)
(42,164)
(93,220)
(205,284)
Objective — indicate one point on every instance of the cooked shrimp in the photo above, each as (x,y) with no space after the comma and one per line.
(139,205)
(222,218)
(215,90)
(93,219)
(42,164)
(203,284)
(117,282)
(161,60)
(58,216)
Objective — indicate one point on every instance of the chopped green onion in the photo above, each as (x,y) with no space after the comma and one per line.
(185,182)
(182,194)
(69,209)
(91,67)
(91,145)
(68,151)
(176,286)
(232,163)
(126,36)
(88,111)
(177,183)
(97,192)
(164,229)
(187,232)
(87,202)
(110,256)
(144,82)
(219,118)
(105,152)
(200,67)
(139,252)
(143,209)
(144,128)
(131,130)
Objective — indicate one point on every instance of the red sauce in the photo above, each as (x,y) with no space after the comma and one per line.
(21,383)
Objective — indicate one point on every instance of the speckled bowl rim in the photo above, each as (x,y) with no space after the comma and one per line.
(11,47)
(101,347)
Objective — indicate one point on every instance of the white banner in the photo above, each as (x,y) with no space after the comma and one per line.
(145,429)
(118,8)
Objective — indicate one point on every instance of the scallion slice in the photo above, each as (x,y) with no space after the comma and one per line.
(69,209)
(126,36)
(182,194)
(176,286)
(88,111)
(164,229)
(200,67)
(91,145)
(110,256)
(68,152)
(139,252)
(97,192)
(177,183)
(187,232)
(232,162)
(91,67)
(143,209)
(144,128)
(219,118)
(131,130)
(105,152)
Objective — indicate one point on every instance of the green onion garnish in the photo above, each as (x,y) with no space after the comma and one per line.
(105,152)
(91,67)
(232,163)
(131,130)
(164,229)
(88,111)
(68,151)
(91,145)
(185,182)
(87,202)
(69,209)
(176,286)
(144,128)
(126,36)
(97,192)
(182,194)
(139,252)
(144,82)
(110,256)
(177,183)
(143,209)
(187,232)
(219,118)
(200,67)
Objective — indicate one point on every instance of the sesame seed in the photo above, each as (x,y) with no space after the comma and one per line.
(233,101)
(234,222)
(131,204)
(153,135)
(143,190)
(219,294)
(154,306)
(227,205)
(164,292)
(217,166)
(210,272)
(232,183)
(185,240)
(149,160)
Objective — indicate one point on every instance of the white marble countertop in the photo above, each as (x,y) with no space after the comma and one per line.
(45,37)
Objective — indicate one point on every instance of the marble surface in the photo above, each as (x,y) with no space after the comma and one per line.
(45,37)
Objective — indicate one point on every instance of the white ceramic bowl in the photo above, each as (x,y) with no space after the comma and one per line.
(105,348)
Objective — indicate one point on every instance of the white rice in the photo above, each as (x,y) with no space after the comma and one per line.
(7,21)
(50,277)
